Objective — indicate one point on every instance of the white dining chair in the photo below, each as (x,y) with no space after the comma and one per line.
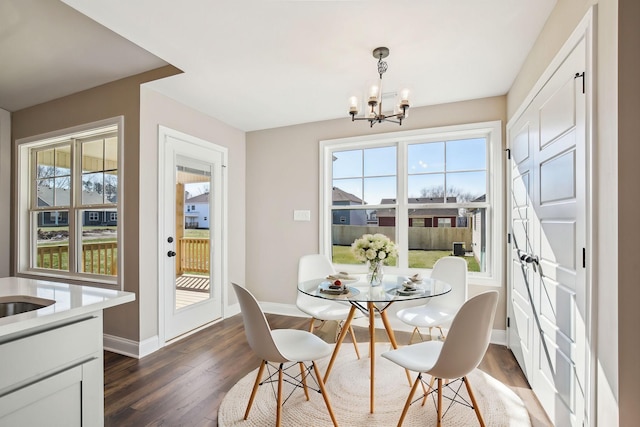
(281,346)
(315,266)
(454,358)
(439,311)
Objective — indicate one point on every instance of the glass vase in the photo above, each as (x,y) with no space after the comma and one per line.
(375,273)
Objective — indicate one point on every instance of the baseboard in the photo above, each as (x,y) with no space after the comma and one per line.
(130,348)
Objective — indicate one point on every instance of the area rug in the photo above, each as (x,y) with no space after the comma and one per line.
(348,390)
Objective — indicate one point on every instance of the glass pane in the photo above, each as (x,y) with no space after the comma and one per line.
(347,191)
(351,224)
(430,186)
(63,161)
(52,246)
(111,153)
(111,187)
(92,188)
(45,192)
(436,233)
(62,192)
(380,190)
(99,242)
(467,154)
(347,164)
(45,165)
(467,186)
(93,156)
(380,161)
(427,157)
(193,233)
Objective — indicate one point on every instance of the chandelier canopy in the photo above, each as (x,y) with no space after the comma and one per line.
(374,100)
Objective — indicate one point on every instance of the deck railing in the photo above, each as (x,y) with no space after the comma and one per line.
(99,258)
(194,255)
(102,258)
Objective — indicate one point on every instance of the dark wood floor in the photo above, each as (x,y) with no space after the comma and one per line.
(184,383)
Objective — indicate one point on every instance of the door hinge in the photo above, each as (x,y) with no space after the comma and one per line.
(508,237)
(508,322)
(584,258)
(508,150)
(580,76)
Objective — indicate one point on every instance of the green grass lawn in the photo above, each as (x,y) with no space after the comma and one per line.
(417,258)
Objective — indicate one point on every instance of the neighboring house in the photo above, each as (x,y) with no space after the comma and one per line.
(422,217)
(348,216)
(196,211)
(89,217)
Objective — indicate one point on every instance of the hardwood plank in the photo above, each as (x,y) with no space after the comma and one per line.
(185,382)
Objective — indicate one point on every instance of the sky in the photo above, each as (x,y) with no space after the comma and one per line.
(370,174)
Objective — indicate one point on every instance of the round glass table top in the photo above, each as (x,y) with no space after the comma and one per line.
(391,289)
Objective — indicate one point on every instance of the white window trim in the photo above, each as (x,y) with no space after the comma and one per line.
(495,164)
(22,206)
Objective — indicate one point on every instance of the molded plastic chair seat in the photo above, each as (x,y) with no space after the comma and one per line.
(297,345)
(454,358)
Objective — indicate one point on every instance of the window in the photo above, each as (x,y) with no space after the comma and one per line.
(68,219)
(423,189)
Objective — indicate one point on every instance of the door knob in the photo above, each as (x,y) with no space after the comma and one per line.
(171,253)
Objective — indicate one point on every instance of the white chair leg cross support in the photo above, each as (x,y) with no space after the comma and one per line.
(456,357)
(284,348)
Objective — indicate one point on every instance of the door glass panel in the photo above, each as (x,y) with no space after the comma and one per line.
(193,236)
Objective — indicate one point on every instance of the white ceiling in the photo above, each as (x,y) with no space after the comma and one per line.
(258,64)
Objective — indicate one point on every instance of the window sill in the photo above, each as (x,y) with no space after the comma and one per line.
(68,278)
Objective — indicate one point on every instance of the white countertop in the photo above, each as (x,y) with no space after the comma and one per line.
(70,301)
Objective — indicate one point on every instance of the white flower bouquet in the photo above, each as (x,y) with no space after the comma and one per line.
(374,249)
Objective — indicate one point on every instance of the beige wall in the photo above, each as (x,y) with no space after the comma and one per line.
(283,175)
(628,205)
(157,109)
(613,279)
(5,192)
(120,98)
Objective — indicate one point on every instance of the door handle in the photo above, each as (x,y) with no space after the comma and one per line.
(171,253)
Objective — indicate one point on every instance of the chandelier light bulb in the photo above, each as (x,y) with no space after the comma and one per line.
(353,105)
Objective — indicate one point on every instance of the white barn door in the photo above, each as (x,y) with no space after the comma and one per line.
(548,310)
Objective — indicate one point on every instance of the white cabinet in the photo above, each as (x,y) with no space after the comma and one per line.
(53,375)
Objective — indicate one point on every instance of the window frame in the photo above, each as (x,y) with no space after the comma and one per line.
(494,204)
(24,238)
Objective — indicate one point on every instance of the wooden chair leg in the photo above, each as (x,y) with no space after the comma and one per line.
(442,336)
(408,402)
(439,424)
(324,393)
(303,379)
(313,320)
(279,407)
(473,401)
(426,393)
(255,388)
(355,343)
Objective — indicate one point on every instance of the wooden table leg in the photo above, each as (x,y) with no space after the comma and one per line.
(392,336)
(372,352)
(343,333)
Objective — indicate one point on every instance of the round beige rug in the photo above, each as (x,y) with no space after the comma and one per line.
(348,390)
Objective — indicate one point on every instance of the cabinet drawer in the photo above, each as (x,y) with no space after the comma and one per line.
(45,352)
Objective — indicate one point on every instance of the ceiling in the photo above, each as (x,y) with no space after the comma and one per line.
(259,64)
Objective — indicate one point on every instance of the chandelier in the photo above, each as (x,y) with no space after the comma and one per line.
(375,98)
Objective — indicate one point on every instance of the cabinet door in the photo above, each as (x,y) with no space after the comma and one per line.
(54,401)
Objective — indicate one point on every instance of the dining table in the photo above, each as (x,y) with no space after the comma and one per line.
(372,301)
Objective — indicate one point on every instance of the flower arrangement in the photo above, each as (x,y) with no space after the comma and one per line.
(374,248)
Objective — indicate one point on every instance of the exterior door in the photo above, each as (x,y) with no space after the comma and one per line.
(191,255)
(548,311)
